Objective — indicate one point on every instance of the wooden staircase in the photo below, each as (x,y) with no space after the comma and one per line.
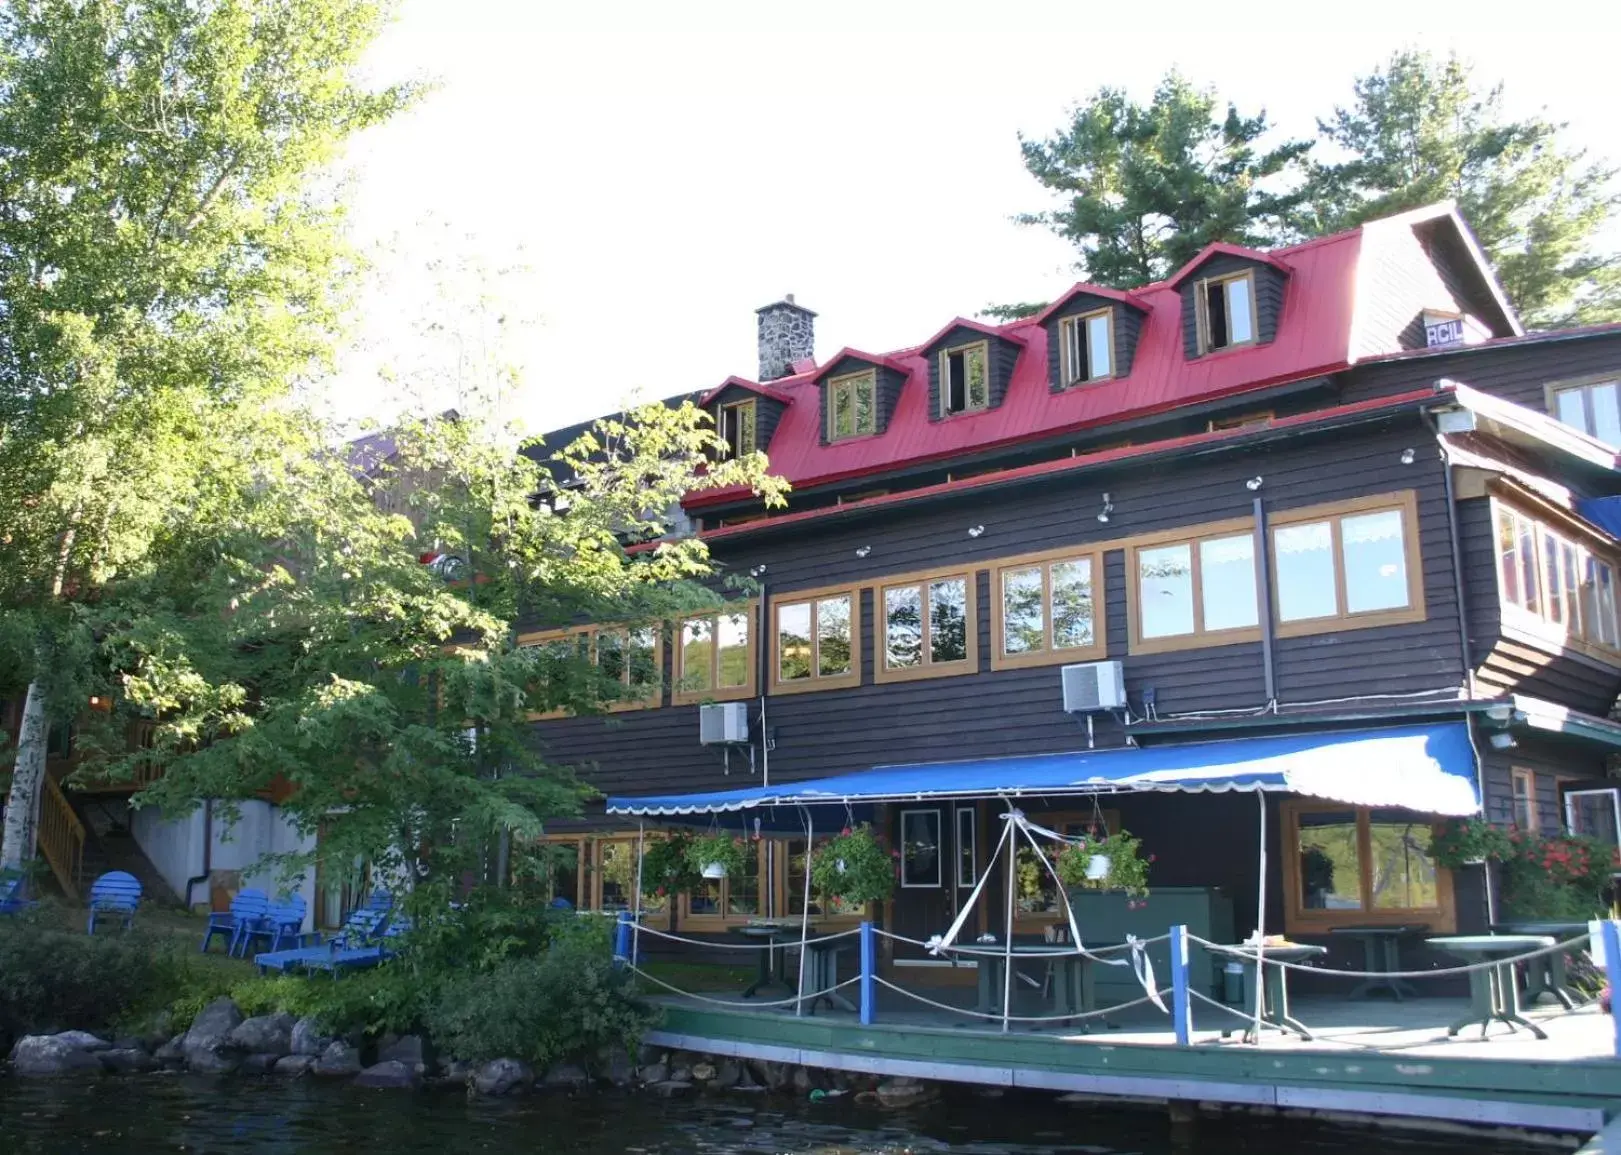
(61,838)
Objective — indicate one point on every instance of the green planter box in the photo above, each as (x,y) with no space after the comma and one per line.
(1103,920)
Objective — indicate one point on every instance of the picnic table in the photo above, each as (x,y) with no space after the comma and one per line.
(1072,988)
(1493,993)
(1548,975)
(1381,954)
(1274,986)
(822,973)
(772,961)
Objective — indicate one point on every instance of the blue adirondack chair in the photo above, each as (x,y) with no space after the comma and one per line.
(246,909)
(282,922)
(360,932)
(14,895)
(115,893)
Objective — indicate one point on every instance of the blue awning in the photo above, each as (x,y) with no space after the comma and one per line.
(1430,769)
(1604,512)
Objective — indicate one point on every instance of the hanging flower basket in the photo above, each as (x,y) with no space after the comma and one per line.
(853,867)
(716,855)
(1115,862)
(665,869)
(1469,842)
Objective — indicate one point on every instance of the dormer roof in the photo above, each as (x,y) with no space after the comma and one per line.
(876,360)
(1083,288)
(1223,249)
(747,386)
(1001,333)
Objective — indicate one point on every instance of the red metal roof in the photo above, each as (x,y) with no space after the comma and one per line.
(1219,248)
(882,359)
(746,384)
(1314,335)
(1090,290)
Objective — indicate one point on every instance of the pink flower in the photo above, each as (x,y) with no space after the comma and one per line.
(1151,858)
(845,832)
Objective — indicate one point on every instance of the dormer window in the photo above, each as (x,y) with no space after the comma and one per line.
(965,378)
(735,424)
(1086,347)
(1226,312)
(852,405)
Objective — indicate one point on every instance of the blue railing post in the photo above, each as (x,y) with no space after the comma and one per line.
(622,938)
(869,968)
(1181,1006)
(1612,969)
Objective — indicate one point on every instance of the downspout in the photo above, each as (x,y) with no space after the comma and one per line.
(1457,558)
(208,850)
(763,672)
(1263,557)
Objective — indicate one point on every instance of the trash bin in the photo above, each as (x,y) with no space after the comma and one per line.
(1232,984)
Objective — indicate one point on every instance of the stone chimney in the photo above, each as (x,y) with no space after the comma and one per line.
(787,334)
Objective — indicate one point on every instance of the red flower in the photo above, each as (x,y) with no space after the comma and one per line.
(1151,858)
(659,892)
(845,832)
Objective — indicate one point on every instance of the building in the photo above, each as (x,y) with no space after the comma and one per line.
(1309,500)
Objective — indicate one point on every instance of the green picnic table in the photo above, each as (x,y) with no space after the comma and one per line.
(1494,996)
(1549,975)
(1381,956)
(1072,989)
(1275,989)
(772,961)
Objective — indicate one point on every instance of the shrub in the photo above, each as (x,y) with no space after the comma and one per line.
(569,1003)
(52,979)
(853,867)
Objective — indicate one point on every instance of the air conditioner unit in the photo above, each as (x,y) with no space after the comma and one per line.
(1094,686)
(723,724)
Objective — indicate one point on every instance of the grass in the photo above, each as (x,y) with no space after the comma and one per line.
(700,976)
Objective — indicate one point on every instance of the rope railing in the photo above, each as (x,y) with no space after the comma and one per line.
(997,1017)
(809,996)
(1248,955)
(989,950)
(780,944)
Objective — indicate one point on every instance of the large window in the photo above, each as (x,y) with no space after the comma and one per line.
(965,378)
(1345,865)
(1593,406)
(816,641)
(631,656)
(1047,608)
(1197,590)
(1086,347)
(852,405)
(735,424)
(1226,312)
(735,897)
(1553,585)
(927,626)
(1354,563)
(715,656)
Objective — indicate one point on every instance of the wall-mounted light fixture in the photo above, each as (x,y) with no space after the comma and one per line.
(975,530)
(756,571)
(1108,508)
(1501,741)
(1253,484)
(1407,456)
(863,550)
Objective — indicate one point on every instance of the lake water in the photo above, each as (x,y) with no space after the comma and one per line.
(158,1114)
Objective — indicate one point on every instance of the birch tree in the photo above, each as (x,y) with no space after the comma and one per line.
(170,266)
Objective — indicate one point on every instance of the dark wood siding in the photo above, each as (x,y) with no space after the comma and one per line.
(1004,355)
(1128,323)
(1518,374)
(1549,761)
(766,415)
(991,713)
(1270,285)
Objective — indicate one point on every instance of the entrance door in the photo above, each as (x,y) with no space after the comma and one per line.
(925,899)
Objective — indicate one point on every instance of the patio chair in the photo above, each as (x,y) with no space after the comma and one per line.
(115,893)
(14,895)
(282,923)
(246,909)
(361,932)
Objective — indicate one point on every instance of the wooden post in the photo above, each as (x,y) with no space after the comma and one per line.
(622,938)
(869,968)
(1181,1008)
(1612,971)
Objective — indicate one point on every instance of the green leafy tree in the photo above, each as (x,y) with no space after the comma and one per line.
(170,264)
(1422,130)
(1145,187)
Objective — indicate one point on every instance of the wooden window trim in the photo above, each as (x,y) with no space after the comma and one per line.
(680,697)
(722,920)
(1049,656)
(1441,919)
(1202,318)
(816,681)
(1240,421)
(1534,628)
(1516,775)
(927,668)
(943,364)
(1200,638)
(1585,382)
(849,381)
(655,695)
(1066,372)
(1406,501)
(737,408)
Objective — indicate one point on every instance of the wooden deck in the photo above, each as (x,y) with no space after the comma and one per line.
(1371,1057)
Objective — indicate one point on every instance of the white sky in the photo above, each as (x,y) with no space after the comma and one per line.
(662,169)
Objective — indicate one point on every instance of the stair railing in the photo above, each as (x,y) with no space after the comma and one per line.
(61,838)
